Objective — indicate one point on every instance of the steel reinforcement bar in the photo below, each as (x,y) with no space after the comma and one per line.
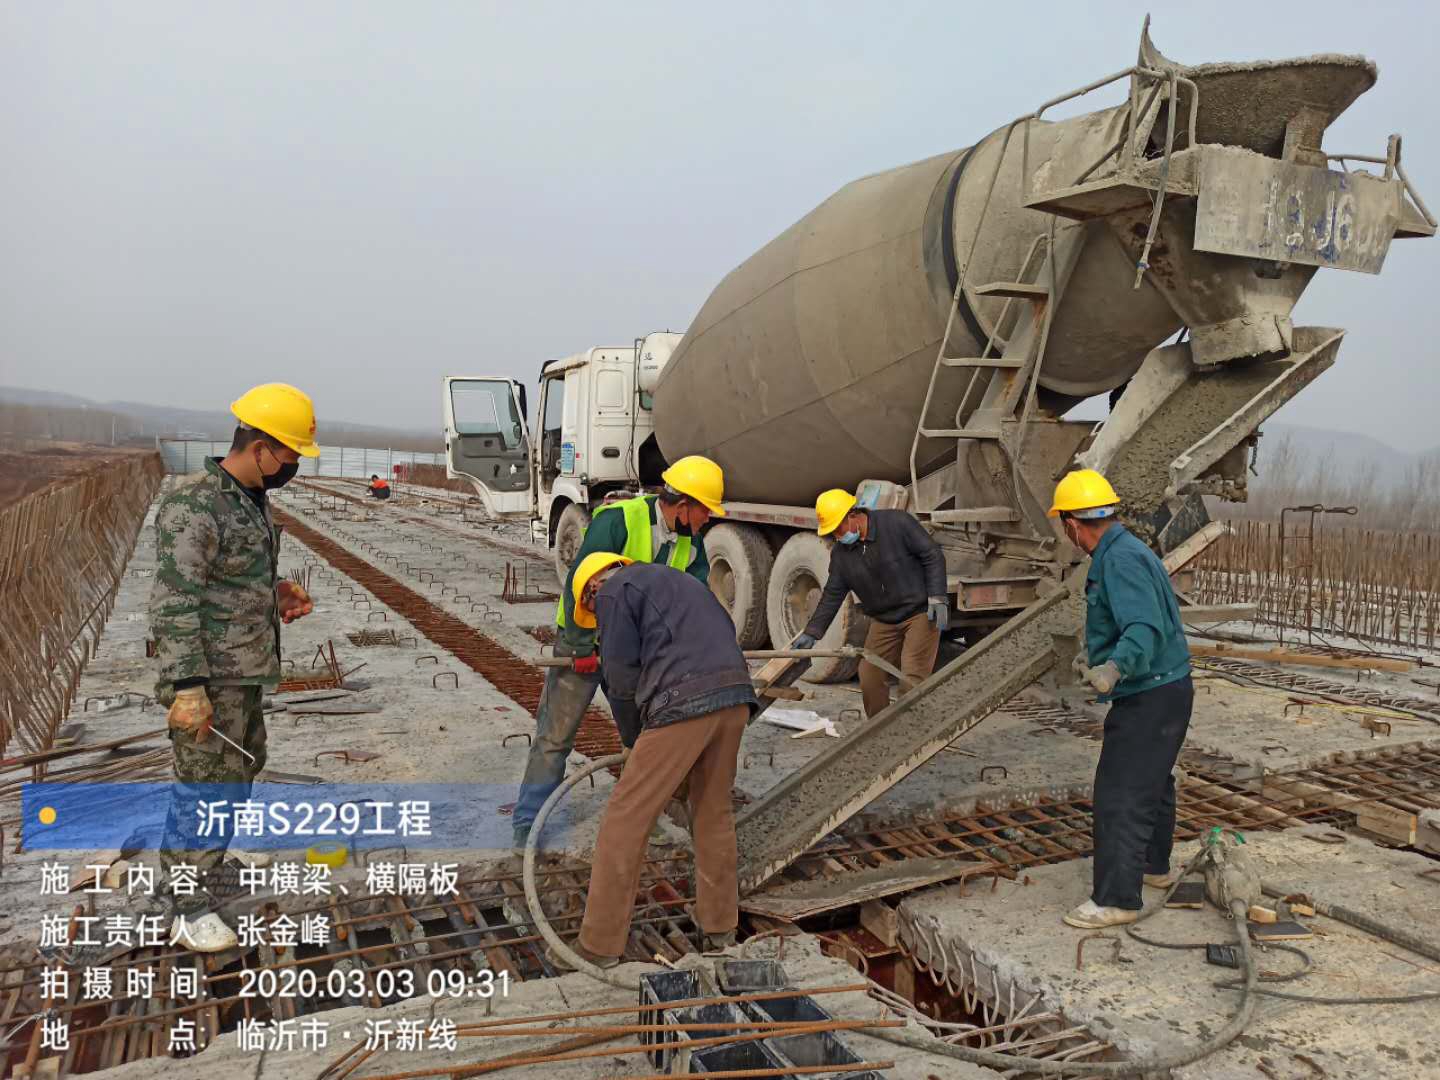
(63,551)
(512,675)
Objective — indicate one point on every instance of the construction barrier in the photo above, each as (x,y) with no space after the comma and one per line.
(63,551)
(357,462)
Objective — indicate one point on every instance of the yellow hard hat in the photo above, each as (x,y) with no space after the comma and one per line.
(589,566)
(1083,489)
(281,411)
(831,508)
(701,479)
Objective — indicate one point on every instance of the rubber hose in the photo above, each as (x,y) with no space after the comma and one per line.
(1361,921)
(532,895)
(928,1044)
(1049,1067)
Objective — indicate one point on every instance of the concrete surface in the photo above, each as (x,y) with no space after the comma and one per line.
(1152,999)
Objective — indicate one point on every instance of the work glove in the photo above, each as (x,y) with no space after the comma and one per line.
(585,665)
(803,641)
(1104,677)
(192,712)
(939,613)
(1079,664)
(294,601)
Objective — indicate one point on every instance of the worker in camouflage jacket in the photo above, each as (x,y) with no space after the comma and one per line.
(215,616)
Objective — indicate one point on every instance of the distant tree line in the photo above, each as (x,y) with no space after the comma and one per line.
(1289,476)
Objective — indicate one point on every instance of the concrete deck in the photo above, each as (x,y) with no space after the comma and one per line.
(1152,1000)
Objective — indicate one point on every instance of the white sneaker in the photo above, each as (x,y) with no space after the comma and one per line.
(1162,881)
(1091,916)
(255,859)
(207,934)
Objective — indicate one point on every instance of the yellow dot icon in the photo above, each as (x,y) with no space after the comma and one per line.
(47,815)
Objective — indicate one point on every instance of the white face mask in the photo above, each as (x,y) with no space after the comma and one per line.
(849,537)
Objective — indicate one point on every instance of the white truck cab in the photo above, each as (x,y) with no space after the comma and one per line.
(593,437)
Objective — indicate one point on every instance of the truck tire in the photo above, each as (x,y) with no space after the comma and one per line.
(740,564)
(569,532)
(795,584)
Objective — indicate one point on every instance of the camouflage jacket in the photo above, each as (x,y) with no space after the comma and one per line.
(213,611)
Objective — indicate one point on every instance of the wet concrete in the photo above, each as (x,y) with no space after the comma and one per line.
(1148,1000)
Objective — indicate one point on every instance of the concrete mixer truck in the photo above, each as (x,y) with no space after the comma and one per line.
(927,333)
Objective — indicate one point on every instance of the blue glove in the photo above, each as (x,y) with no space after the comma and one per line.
(939,613)
(803,641)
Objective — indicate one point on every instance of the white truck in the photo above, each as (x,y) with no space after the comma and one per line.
(593,439)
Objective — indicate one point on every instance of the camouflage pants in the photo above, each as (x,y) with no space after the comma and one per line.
(198,768)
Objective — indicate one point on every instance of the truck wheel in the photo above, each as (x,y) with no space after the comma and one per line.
(740,563)
(795,584)
(569,532)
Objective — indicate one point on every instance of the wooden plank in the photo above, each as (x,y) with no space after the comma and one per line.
(799,899)
(1285,656)
(881,920)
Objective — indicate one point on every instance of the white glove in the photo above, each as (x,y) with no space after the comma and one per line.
(1104,677)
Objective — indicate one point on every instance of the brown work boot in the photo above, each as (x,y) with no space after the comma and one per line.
(560,964)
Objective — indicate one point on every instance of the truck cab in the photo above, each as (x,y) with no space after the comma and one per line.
(592,437)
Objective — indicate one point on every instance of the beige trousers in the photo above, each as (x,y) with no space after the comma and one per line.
(704,750)
(910,645)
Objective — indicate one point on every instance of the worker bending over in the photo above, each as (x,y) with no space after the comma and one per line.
(215,614)
(1137,658)
(379,489)
(661,528)
(667,645)
(897,573)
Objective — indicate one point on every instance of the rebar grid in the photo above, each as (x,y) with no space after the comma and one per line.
(63,551)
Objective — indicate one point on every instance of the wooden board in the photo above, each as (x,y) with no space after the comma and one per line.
(1285,656)
(799,899)
(780,672)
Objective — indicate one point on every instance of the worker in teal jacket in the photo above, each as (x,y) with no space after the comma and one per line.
(661,528)
(1137,658)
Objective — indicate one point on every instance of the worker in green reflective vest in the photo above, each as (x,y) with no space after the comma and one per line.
(661,528)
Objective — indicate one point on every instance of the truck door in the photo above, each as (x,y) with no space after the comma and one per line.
(487,441)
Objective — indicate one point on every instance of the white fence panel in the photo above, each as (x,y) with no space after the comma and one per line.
(358,462)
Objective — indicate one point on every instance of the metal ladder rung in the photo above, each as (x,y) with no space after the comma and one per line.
(975,513)
(960,433)
(982,362)
(1016,290)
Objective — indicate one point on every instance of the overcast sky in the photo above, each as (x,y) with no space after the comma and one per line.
(362,197)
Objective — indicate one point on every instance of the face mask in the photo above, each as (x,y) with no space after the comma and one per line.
(850,537)
(683,528)
(281,476)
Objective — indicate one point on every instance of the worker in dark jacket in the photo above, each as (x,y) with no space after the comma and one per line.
(1137,658)
(897,573)
(667,644)
(661,528)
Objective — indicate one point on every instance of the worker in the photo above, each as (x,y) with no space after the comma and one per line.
(663,528)
(667,645)
(897,573)
(215,615)
(379,489)
(1136,657)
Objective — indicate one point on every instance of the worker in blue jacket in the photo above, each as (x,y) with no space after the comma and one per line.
(1137,658)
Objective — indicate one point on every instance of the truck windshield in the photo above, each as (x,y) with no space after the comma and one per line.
(486,407)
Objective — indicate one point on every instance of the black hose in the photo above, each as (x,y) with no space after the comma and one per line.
(1360,921)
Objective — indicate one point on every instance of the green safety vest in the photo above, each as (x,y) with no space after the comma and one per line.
(638,542)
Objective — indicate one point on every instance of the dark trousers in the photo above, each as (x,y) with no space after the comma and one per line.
(1134,797)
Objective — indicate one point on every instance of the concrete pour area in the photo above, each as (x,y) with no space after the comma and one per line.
(805,965)
(428,716)
(1010,943)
